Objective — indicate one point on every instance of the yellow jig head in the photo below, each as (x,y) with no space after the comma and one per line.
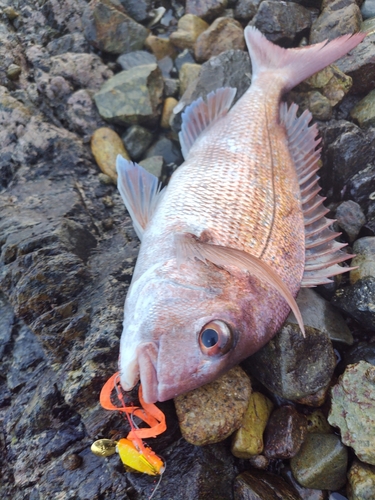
(148,463)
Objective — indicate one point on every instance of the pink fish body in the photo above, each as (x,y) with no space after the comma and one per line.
(239,229)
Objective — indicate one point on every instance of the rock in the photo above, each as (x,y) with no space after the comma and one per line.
(352,409)
(169,104)
(315,102)
(132,97)
(336,19)
(358,301)
(189,73)
(259,485)
(223,34)
(206,9)
(248,440)
(364,250)
(105,146)
(304,493)
(225,70)
(361,485)
(135,58)
(259,462)
(368,9)
(350,218)
(154,165)
(72,42)
(82,113)
(321,462)
(171,87)
(363,113)
(317,423)
(160,47)
(166,148)
(282,22)
(285,432)
(318,313)
(360,352)
(186,56)
(11,13)
(109,29)
(188,30)
(136,140)
(220,405)
(294,367)
(359,64)
(360,189)
(13,71)
(246,9)
(137,9)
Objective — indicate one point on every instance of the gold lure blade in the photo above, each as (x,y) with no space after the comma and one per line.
(104,447)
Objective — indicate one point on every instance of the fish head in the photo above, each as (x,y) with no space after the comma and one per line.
(181,332)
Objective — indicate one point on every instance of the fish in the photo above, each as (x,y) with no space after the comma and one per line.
(226,246)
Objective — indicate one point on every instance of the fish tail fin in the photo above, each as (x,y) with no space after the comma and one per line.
(297,64)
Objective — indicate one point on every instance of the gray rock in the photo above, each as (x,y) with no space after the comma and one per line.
(154,165)
(318,313)
(171,87)
(166,148)
(82,113)
(350,218)
(246,9)
(136,140)
(132,97)
(72,42)
(137,9)
(358,301)
(337,18)
(368,9)
(185,56)
(136,58)
(282,22)
(206,9)
(360,188)
(364,259)
(364,111)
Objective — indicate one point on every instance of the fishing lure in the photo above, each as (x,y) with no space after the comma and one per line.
(134,453)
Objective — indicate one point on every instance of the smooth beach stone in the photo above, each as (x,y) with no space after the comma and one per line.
(248,440)
(260,485)
(321,462)
(304,493)
(169,104)
(318,313)
(292,366)
(358,301)
(214,411)
(317,423)
(363,112)
(353,409)
(189,28)
(285,432)
(361,481)
(105,146)
(166,148)
(368,9)
(364,250)
(136,140)
(350,218)
(135,58)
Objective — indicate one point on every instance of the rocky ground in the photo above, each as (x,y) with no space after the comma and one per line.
(81,81)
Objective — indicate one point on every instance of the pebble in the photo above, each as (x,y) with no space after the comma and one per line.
(318,313)
(160,47)
(248,440)
(132,97)
(169,104)
(223,34)
(317,423)
(72,462)
(13,71)
(364,250)
(321,462)
(304,493)
(297,367)
(246,9)
(10,13)
(188,30)
(368,9)
(361,485)
(171,87)
(168,149)
(136,140)
(206,9)
(363,113)
(135,58)
(350,218)
(220,405)
(105,146)
(261,485)
(189,73)
(337,18)
(358,301)
(285,432)
(315,102)
(154,165)
(186,56)
(353,409)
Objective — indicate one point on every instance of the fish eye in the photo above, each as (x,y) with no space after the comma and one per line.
(215,338)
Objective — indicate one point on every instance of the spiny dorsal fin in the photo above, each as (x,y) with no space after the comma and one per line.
(200,115)
(140,192)
(322,253)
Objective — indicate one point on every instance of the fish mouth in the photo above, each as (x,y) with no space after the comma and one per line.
(147,354)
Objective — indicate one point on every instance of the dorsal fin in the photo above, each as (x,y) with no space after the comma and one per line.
(200,115)
(322,253)
(140,192)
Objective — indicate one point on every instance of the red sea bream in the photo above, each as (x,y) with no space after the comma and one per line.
(239,229)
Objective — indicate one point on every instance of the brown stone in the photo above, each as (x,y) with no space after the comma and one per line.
(105,146)
(223,34)
(169,105)
(160,47)
(188,30)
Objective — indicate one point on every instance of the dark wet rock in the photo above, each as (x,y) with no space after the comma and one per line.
(135,58)
(285,432)
(188,30)
(206,9)
(361,481)
(246,9)
(358,301)
(360,189)
(136,140)
(109,29)
(220,405)
(224,34)
(154,165)
(185,56)
(350,218)
(364,250)
(166,148)
(282,22)
(360,65)
(145,86)
(259,485)
(337,18)
(137,9)
(352,409)
(321,462)
(318,313)
(304,493)
(294,367)
(225,70)
(82,113)
(363,112)
(360,352)
(248,440)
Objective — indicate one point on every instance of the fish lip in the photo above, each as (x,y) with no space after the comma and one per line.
(147,354)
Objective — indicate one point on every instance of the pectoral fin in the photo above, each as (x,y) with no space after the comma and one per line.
(188,247)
